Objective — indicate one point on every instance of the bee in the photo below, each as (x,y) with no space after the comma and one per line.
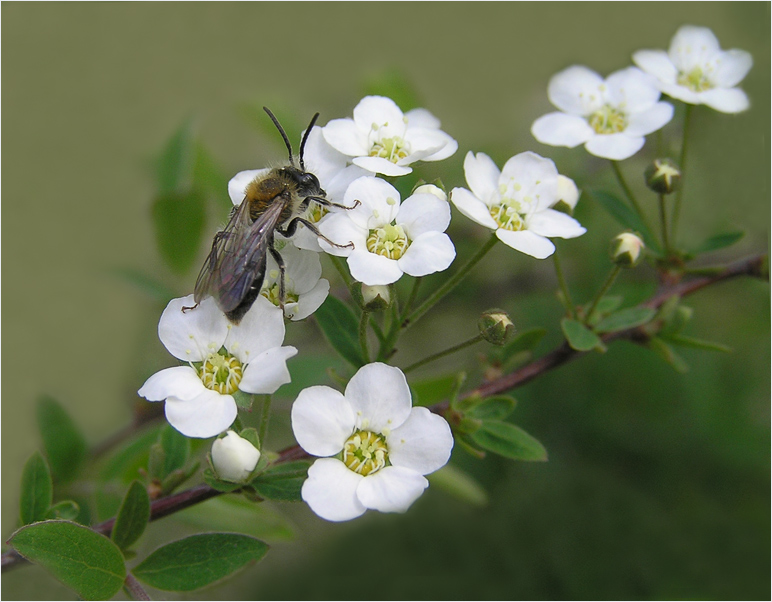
(274,201)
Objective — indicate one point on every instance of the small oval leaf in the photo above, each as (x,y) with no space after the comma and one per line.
(133,516)
(37,490)
(493,408)
(341,329)
(64,444)
(198,560)
(66,510)
(282,482)
(80,558)
(509,441)
(579,336)
(623,319)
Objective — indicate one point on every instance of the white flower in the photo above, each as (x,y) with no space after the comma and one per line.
(610,117)
(389,238)
(381,139)
(304,288)
(199,396)
(568,193)
(382,446)
(516,201)
(233,457)
(696,70)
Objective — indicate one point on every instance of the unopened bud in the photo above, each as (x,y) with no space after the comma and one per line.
(626,249)
(568,195)
(233,457)
(663,176)
(496,326)
(431,189)
(376,298)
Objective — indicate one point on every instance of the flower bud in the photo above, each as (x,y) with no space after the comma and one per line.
(233,457)
(496,326)
(663,176)
(568,195)
(431,189)
(376,298)
(626,249)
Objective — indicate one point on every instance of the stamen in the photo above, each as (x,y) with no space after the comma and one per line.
(365,452)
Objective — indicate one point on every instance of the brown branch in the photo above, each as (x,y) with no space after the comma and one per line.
(752,266)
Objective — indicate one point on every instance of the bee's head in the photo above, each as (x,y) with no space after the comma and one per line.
(308,184)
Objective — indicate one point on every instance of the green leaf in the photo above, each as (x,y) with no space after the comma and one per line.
(210,478)
(236,513)
(132,517)
(667,353)
(124,464)
(459,484)
(207,175)
(66,510)
(607,304)
(684,341)
(394,84)
(719,241)
(509,441)
(579,336)
(626,318)
(493,408)
(525,341)
(251,435)
(244,400)
(37,490)
(282,482)
(175,165)
(64,444)
(433,390)
(341,329)
(626,216)
(80,558)
(179,226)
(198,560)
(177,449)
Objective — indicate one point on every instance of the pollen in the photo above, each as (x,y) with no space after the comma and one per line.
(392,149)
(365,452)
(388,241)
(221,373)
(608,120)
(508,215)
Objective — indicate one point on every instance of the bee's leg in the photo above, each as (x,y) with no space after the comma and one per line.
(280,262)
(328,203)
(186,309)
(293,226)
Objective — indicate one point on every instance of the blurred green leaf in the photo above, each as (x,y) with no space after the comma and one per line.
(177,449)
(606,305)
(628,218)
(433,390)
(66,510)
(80,558)
(579,336)
(685,341)
(244,400)
(282,482)
(341,329)
(666,352)
(211,479)
(509,441)
(144,283)
(64,444)
(626,318)
(175,164)
(719,241)
(133,516)
(179,226)
(125,462)
(235,513)
(460,484)
(207,175)
(524,341)
(493,408)
(394,84)
(37,490)
(198,560)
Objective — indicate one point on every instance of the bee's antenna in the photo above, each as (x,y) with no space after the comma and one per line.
(283,134)
(305,138)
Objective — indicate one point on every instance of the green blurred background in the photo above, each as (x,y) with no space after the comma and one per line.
(658,483)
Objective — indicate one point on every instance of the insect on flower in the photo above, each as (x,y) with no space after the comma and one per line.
(273,202)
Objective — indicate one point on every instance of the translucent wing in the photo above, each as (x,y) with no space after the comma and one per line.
(236,262)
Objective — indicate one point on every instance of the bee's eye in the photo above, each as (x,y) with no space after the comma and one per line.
(309,180)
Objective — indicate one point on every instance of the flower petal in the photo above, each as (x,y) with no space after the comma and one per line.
(656,63)
(372,269)
(731,100)
(331,490)
(692,47)
(321,159)
(423,213)
(650,120)
(192,334)
(181,382)
(308,302)
(344,136)
(632,90)
(429,253)
(531,180)
(322,420)
(206,415)
(614,146)
(339,228)
(381,165)
(261,328)
(267,371)
(380,112)
(379,396)
(551,223)
(472,207)
(527,242)
(482,176)
(422,118)
(378,202)
(576,90)
(561,129)
(391,489)
(423,443)
(731,67)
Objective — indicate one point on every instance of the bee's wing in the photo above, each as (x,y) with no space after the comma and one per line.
(237,258)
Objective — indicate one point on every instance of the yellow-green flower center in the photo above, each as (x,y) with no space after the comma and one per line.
(221,373)
(391,149)
(273,294)
(695,80)
(365,452)
(608,120)
(315,212)
(389,241)
(508,214)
